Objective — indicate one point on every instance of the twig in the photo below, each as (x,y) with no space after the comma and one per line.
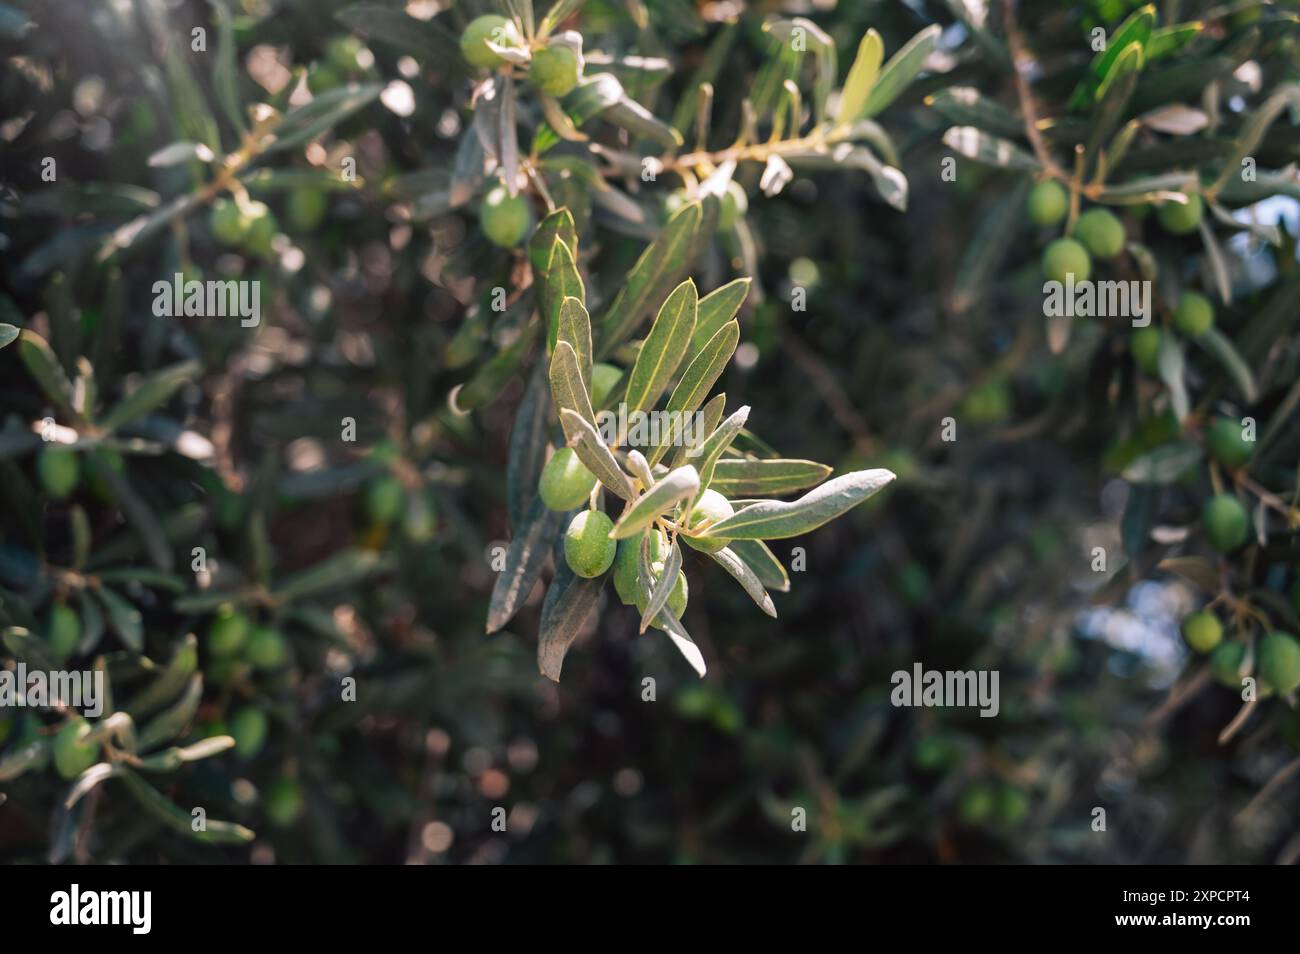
(1027,106)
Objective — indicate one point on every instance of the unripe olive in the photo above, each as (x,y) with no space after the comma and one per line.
(64,631)
(565,482)
(505,218)
(604,378)
(227,222)
(935,753)
(1013,805)
(283,802)
(72,753)
(1064,257)
(734,203)
(261,230)
(587,547)
(1194,315)
(266,648)
(474,41)
(554,70)
(709,509)
(1048,203)
(248,727)
(1181,219)
(677,599)
(341,52)
(384,498)
(1225,663)
(1203,631)
(625,562)
(1226,443)
(306,207)
(1144,345)
(977,804)
(1226,522)
(59,470)
(323,77)
(1101,233)
(1279,662)
(228,632)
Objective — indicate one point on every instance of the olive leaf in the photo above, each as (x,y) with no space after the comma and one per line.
(682,640)
(156,804)
(737,477)
(763,562)
(170,681)
(697,380)
(1136,29)
(562,281)
(663,587)
(746,577)
(1222,349)
(707,454)
(528,443)
(861,78)
(663,348)
(568,389)
(676,486)
(595,456)
(172,721)
(524,560)
(776,519)
(569,602)
(901,69)
(575,329)
(659,269)
(716,309)
(151,393)
(988,149)
(1164,464)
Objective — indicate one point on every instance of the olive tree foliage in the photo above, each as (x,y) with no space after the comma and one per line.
(277,536)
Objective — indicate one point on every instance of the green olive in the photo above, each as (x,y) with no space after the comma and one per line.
(248,727)
(489,27)
(1144,345)
(1194,315)
(227,222)
(266,648)
(306,208)
(60,470)
(283,802)
(64,633)
(384,499)
(1101,233)
(677,599)
(1227,525)
(228,632)
(72,753)
(1181,218)
(554,70)
(1048,203)
(565,482)
(505,218)
(587,547)
(625,563)
(1279,662)
(709,509)
(1203,631)
(1064,257)
(1226,443)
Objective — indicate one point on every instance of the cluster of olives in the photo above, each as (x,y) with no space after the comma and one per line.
(1277,655)
(247,225)
(234,638)
(553,69)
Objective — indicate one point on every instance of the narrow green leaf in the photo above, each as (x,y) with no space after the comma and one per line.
(172,721)
(706,455)
(575,328)
(675,487)
(989,150)
(967,106)
(8,335)
(528,442)
(659,268)
(556,225)
(1221,348)
(1172,364)
(322,114)
(123,618)
(747,578)
(716,309)
(595,456)
(567,387)
(428,41)
(562,281)
(344,569)
(777,519)
(170,681)
(861,78)
(43,365)
(151,393)
(682,640)
(737,477)
(663,349)
(663,587)
(697,380)
(569,602)
(492,376)
(902,68)
(156,804)
(759,558)
(1136,29)
(225,69)
(525,558)
(1164,464)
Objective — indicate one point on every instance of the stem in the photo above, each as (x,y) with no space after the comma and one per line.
(1027,106)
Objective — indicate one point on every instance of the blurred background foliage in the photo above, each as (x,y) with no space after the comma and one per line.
(371,559)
